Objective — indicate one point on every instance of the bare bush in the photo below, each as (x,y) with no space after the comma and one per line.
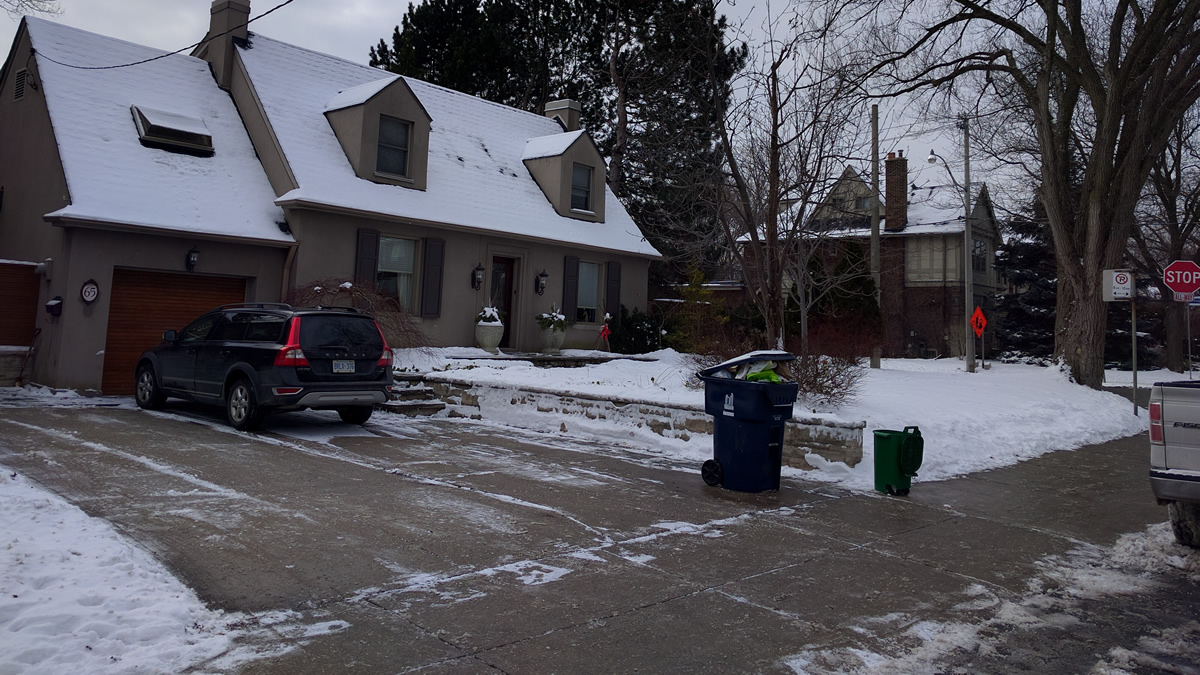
(399,327)
(828,381)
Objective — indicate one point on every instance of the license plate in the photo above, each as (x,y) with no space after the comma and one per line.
(343,366)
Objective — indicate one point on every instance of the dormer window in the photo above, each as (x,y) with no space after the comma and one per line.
(172,131)
(384,131)
(581,188)
(392,157)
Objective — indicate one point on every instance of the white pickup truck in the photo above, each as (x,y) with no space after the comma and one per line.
(1175,455)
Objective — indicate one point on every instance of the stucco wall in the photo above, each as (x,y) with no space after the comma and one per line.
(327,250)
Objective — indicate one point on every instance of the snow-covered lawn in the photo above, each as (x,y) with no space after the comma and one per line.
(75,596)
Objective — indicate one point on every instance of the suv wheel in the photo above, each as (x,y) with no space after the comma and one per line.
(147,393)
(1185,521)
(356,415)
(241,406)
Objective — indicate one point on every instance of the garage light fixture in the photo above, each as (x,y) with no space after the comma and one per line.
(477,277)
(191,259)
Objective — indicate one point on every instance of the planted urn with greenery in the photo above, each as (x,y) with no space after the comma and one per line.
(489,329)
(553,327)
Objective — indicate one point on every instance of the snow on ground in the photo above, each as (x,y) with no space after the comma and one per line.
(75,596)
(969,422)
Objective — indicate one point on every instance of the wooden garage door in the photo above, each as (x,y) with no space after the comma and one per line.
(18,303)
(144,304)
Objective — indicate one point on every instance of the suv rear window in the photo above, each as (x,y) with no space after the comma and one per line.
(320,331)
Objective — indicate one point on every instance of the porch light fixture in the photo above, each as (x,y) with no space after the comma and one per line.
(477,277)
(191,259)
(539,283)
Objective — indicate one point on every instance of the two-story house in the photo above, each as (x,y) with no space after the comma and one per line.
(150,187)
(921,255)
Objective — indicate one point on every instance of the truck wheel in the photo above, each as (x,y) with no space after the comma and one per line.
(1185,521)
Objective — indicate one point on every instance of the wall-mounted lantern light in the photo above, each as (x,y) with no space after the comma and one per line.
(477,277)
(54,306)
(191,259)
(539,283)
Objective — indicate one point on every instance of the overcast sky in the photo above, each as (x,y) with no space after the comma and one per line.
(345,28)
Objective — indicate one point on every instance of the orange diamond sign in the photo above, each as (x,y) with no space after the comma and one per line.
(978,322)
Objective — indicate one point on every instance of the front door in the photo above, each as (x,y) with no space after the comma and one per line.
(502,292)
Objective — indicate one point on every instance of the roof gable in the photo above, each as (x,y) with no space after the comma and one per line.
(112,177)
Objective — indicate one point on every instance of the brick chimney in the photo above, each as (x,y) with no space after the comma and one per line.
(895,195)
(566,112)
(231,16)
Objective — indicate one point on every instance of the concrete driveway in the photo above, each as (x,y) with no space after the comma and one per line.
(455,546)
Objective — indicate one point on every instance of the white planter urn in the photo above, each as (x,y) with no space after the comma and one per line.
(552,340)
(488,336)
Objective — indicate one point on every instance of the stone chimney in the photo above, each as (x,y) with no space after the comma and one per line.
(895,195)
(228,21)
(566,112)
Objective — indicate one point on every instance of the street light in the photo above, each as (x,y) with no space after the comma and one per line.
(968,271)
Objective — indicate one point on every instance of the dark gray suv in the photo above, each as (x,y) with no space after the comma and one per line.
(255,358)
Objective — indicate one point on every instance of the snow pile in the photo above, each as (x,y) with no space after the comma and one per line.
(970,421)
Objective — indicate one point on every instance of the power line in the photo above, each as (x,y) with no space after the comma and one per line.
(163,56)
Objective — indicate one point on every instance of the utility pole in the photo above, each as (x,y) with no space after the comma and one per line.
(877,352)
(968,268)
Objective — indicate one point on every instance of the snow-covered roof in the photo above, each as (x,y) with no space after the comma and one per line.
(476,180)
(550,146)
(358,95)
(112,177)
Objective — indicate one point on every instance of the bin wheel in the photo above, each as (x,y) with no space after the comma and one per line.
(891,489)
(712,473)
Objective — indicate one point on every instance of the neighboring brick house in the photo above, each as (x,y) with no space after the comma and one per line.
(254,167)
(921,239)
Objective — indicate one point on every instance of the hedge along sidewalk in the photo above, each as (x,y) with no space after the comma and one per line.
(623,419)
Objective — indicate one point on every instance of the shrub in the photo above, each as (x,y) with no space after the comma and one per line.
(552,319)
(399,327)
(637,332)
(828,381)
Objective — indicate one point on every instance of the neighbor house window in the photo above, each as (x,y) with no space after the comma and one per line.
(979,250)
(588,299)
(397,262)
(392,157)
(581,188)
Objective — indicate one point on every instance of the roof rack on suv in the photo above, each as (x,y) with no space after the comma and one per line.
(327,308)
(257,305)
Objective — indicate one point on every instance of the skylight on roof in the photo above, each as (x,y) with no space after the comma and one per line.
(172,131)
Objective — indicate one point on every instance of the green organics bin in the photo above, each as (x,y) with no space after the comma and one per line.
(898,455)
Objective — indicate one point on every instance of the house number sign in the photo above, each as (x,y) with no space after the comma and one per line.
(90,291)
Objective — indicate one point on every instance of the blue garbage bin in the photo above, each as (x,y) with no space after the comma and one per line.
(749,419)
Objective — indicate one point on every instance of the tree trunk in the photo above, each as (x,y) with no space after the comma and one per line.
(1080,326)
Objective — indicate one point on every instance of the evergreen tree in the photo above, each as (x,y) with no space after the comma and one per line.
(1024,317)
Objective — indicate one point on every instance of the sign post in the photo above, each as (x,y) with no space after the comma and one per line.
(1183,278)
(978,323)
(1119,285)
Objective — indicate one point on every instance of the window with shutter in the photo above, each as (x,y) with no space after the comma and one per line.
(570,286)
(431,278)
(395,270)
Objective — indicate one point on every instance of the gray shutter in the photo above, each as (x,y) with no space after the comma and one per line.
(612,291)
(431,278)
(570,301)
(367,259)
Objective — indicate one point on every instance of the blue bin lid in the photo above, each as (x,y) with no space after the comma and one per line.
(749,357)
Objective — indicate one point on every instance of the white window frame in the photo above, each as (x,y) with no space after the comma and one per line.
(591,173)
(582,310)
(407,148)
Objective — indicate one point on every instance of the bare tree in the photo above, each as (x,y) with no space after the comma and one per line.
(1106,83)
(785,145)
(1167,223)
(17,8)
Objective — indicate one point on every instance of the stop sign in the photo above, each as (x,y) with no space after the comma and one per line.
(1182,276)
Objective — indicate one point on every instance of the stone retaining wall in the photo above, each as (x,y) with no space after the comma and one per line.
(831,440)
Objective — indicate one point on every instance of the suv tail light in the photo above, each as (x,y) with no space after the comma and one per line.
(1156,428)
(385,359)
(291,354)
